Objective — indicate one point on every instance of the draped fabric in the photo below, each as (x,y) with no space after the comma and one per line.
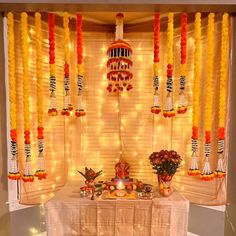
(118,125)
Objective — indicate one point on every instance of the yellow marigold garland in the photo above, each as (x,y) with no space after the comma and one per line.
(220,171)
(28,176)
(13,172)
(207,173)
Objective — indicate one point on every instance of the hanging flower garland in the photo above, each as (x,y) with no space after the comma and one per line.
(220,171)
(207,174)
(169,110)
(79,111)
(40,172)
(182,108)
(156,109)
(52,111)
(194,170)
(28,176)
(67,105)
(14,173)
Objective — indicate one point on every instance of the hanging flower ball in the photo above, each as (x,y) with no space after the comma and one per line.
(80,112)
(155,109)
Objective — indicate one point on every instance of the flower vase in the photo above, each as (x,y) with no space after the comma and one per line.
(164,182)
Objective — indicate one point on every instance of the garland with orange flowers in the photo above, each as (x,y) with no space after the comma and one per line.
(79,111)
(194,170)
(28,176)
(220,171)
(52,111)
(156,109)
(40,172)
(207,174)
(182,108)
(169,109)
(14,173)
(67,104)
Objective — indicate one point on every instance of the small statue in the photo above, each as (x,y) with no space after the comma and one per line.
(90,175)
(122,169)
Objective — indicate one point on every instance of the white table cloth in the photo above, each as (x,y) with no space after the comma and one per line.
(69,214)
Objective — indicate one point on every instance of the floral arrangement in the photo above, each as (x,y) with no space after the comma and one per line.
(40,172)
(52,111)
(156,109)
(169,109)
(14,173)
(79,111)
(182,108)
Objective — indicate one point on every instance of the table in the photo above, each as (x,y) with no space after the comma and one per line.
(67,214)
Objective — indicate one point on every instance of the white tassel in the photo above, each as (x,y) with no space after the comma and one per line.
(119,26)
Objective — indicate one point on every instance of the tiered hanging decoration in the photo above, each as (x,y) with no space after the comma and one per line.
(28,176)
(207,174)
(182,108)
(14,173)
(67,104)
(79,111)
(119,61)
(194,170)
(169,109)
(52,111)
(156,109)
(220,171)
(40,172)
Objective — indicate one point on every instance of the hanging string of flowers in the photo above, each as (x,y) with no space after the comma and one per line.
(194,170)
(52,111)
(40,172)
(220,171)
(79,111)
(14,173)
(28,176)
(67,104)
(207,174)
(156,109)
(182,108)
(169,109)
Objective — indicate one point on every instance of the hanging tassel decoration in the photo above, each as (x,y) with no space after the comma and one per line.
(194,170)
(52,111)
(67,104)
(207,174)
(156,109)
(14,173)
(220,171)
(28,176)
(169,109)
(40,172)
(182,107)
(79,111)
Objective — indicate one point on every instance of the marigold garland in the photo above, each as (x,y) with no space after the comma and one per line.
(169,110)
(156,109)
(194,170)
(14,173)
(220,171)
(67,104)
(28,176)
(182,108)
(207,174)
(52,111)
(40,172)
(79,111)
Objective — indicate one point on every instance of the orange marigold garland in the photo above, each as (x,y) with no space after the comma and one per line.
(52,111)
(169,109)
(67,104)
(194,170)
(14,173)
(156,109)
(40,172)
(28,176)
(220,171)
(79,111)
(182,108)
(207,174)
